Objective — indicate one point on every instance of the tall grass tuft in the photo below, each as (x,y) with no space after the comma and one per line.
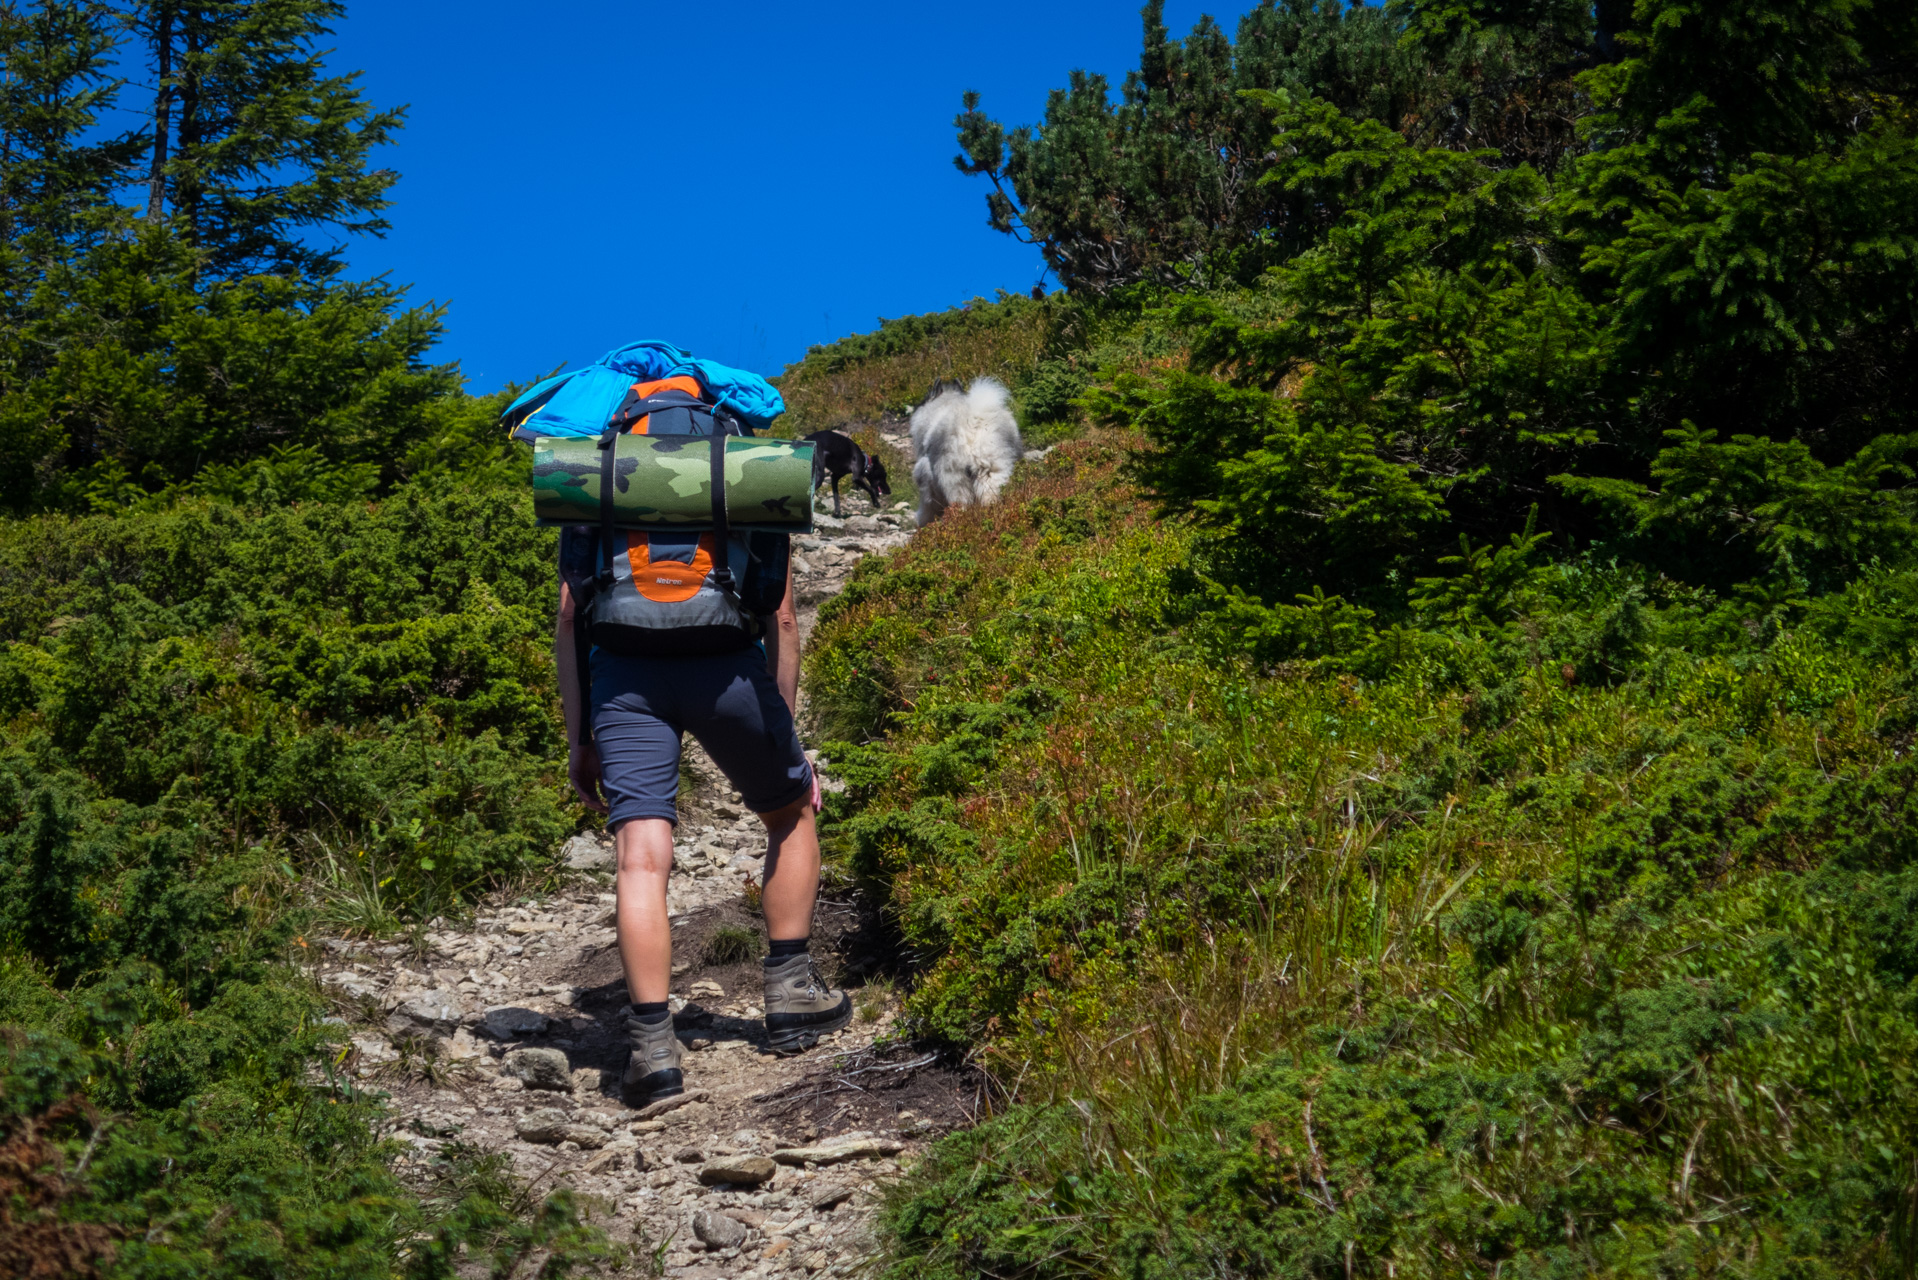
(353,889)
(730,944)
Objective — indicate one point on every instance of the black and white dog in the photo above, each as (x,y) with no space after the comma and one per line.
(839,456)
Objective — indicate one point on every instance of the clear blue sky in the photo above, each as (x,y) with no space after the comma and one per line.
(744,179)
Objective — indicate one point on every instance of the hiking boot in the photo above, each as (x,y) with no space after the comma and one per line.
(653,1071)
(800,1007)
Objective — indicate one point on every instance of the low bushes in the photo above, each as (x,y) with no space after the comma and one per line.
(219,727)
(263,688)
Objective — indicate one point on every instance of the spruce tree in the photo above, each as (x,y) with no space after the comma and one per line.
(254,143)
(1164,186)
(57,183)
(1749,215)
(165,309)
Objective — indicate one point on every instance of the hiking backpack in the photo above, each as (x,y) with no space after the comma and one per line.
(667,592)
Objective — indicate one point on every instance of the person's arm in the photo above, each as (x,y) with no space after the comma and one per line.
(782,647)
(583,763)
(782,662)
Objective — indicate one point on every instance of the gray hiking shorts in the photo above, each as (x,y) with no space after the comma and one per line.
(728,702)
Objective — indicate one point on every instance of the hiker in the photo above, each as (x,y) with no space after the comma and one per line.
(690,633)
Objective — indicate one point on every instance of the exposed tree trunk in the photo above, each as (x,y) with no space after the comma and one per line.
(186,192)
(1612,17)
(162,112)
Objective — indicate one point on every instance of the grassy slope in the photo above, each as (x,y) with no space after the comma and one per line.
(858,379)
(1580,944)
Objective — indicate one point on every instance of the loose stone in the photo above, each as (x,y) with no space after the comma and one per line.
(540,1069)
(664,1105)
(840,1150)
(831,1197)
(745,1171)
(718,1231)
(551,1125)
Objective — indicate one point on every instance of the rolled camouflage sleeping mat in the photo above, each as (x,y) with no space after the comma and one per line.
(666,482)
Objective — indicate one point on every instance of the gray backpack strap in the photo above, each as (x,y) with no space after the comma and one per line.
(601,581)
(608,476)
(722,526)
(583,661)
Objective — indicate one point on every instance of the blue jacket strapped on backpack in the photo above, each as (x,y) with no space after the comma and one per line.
(579,403)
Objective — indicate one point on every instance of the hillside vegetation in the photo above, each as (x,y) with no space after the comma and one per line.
(1420,783)
(274,663)
(1416,782)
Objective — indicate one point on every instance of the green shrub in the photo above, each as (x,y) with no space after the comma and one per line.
(218,725)
(374,678)
(859,378)
(196,1144)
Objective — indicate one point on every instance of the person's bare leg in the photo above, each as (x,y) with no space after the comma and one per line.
(792,871)
(645,848)
(800,1005)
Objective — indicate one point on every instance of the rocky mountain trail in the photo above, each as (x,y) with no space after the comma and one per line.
(504,1034)
(825,558)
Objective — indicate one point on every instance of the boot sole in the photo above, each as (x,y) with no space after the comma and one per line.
(640,1093)
(800,1039)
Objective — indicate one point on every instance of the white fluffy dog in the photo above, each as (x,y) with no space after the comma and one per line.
(966,444)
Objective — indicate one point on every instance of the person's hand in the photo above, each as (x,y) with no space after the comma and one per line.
(818,799)
(583,769)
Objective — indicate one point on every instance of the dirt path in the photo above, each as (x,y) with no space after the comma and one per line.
(506,1037)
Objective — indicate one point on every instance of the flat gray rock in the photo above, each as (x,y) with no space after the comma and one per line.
(609,1158)
(551,1125)
(583,853)
(743,1171)
(356,985)
(374,1049)
(544,1124)
(661,1107)
(717,1231)
(439,1011)
(510,1022)
(841,1150)
(830,1198)
(540,1069)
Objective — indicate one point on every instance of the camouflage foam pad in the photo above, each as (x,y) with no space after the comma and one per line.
(665,481)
